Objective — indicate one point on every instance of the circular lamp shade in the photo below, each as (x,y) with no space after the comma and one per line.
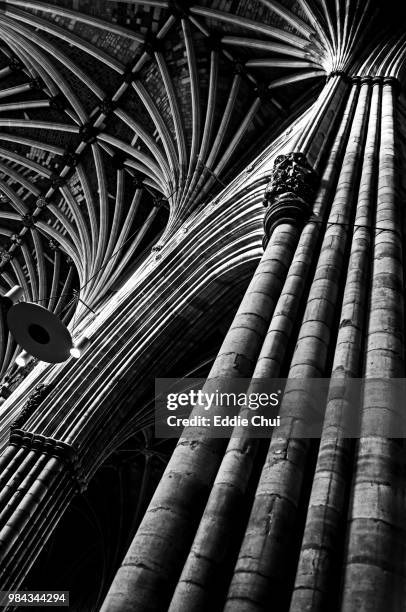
(39,332)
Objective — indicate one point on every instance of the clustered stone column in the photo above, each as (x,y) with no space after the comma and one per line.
(237,524)
(156,556)
(39,476)
(375,553)
(269,549)
(322,537)
(37,486)
(217,535)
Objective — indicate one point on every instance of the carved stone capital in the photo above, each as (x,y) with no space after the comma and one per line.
(290,192)
(66,453)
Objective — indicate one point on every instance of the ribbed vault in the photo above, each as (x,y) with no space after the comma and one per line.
(117,121)
(111,133)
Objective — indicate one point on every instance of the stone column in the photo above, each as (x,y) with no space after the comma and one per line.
(375,574)
(37,485)
(288,198)
(267,554)
(39,476)
(318,573)
(151,568)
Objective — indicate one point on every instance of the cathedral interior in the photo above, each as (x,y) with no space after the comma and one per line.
(202,189)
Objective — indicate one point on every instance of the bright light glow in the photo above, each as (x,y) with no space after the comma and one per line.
(75,352)
(22,359)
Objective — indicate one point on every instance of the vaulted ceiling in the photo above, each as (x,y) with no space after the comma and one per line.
(117,119)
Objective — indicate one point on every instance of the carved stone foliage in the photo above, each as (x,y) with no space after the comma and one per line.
(292,174)
(34,400)
(290,192)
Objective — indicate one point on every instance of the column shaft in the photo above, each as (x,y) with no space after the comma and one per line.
(317,577)
(374,577)
(263,569)
(148,575)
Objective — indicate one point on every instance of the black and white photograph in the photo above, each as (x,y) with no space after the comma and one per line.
(202,305)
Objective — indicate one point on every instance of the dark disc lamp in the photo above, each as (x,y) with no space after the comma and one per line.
(39,332)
